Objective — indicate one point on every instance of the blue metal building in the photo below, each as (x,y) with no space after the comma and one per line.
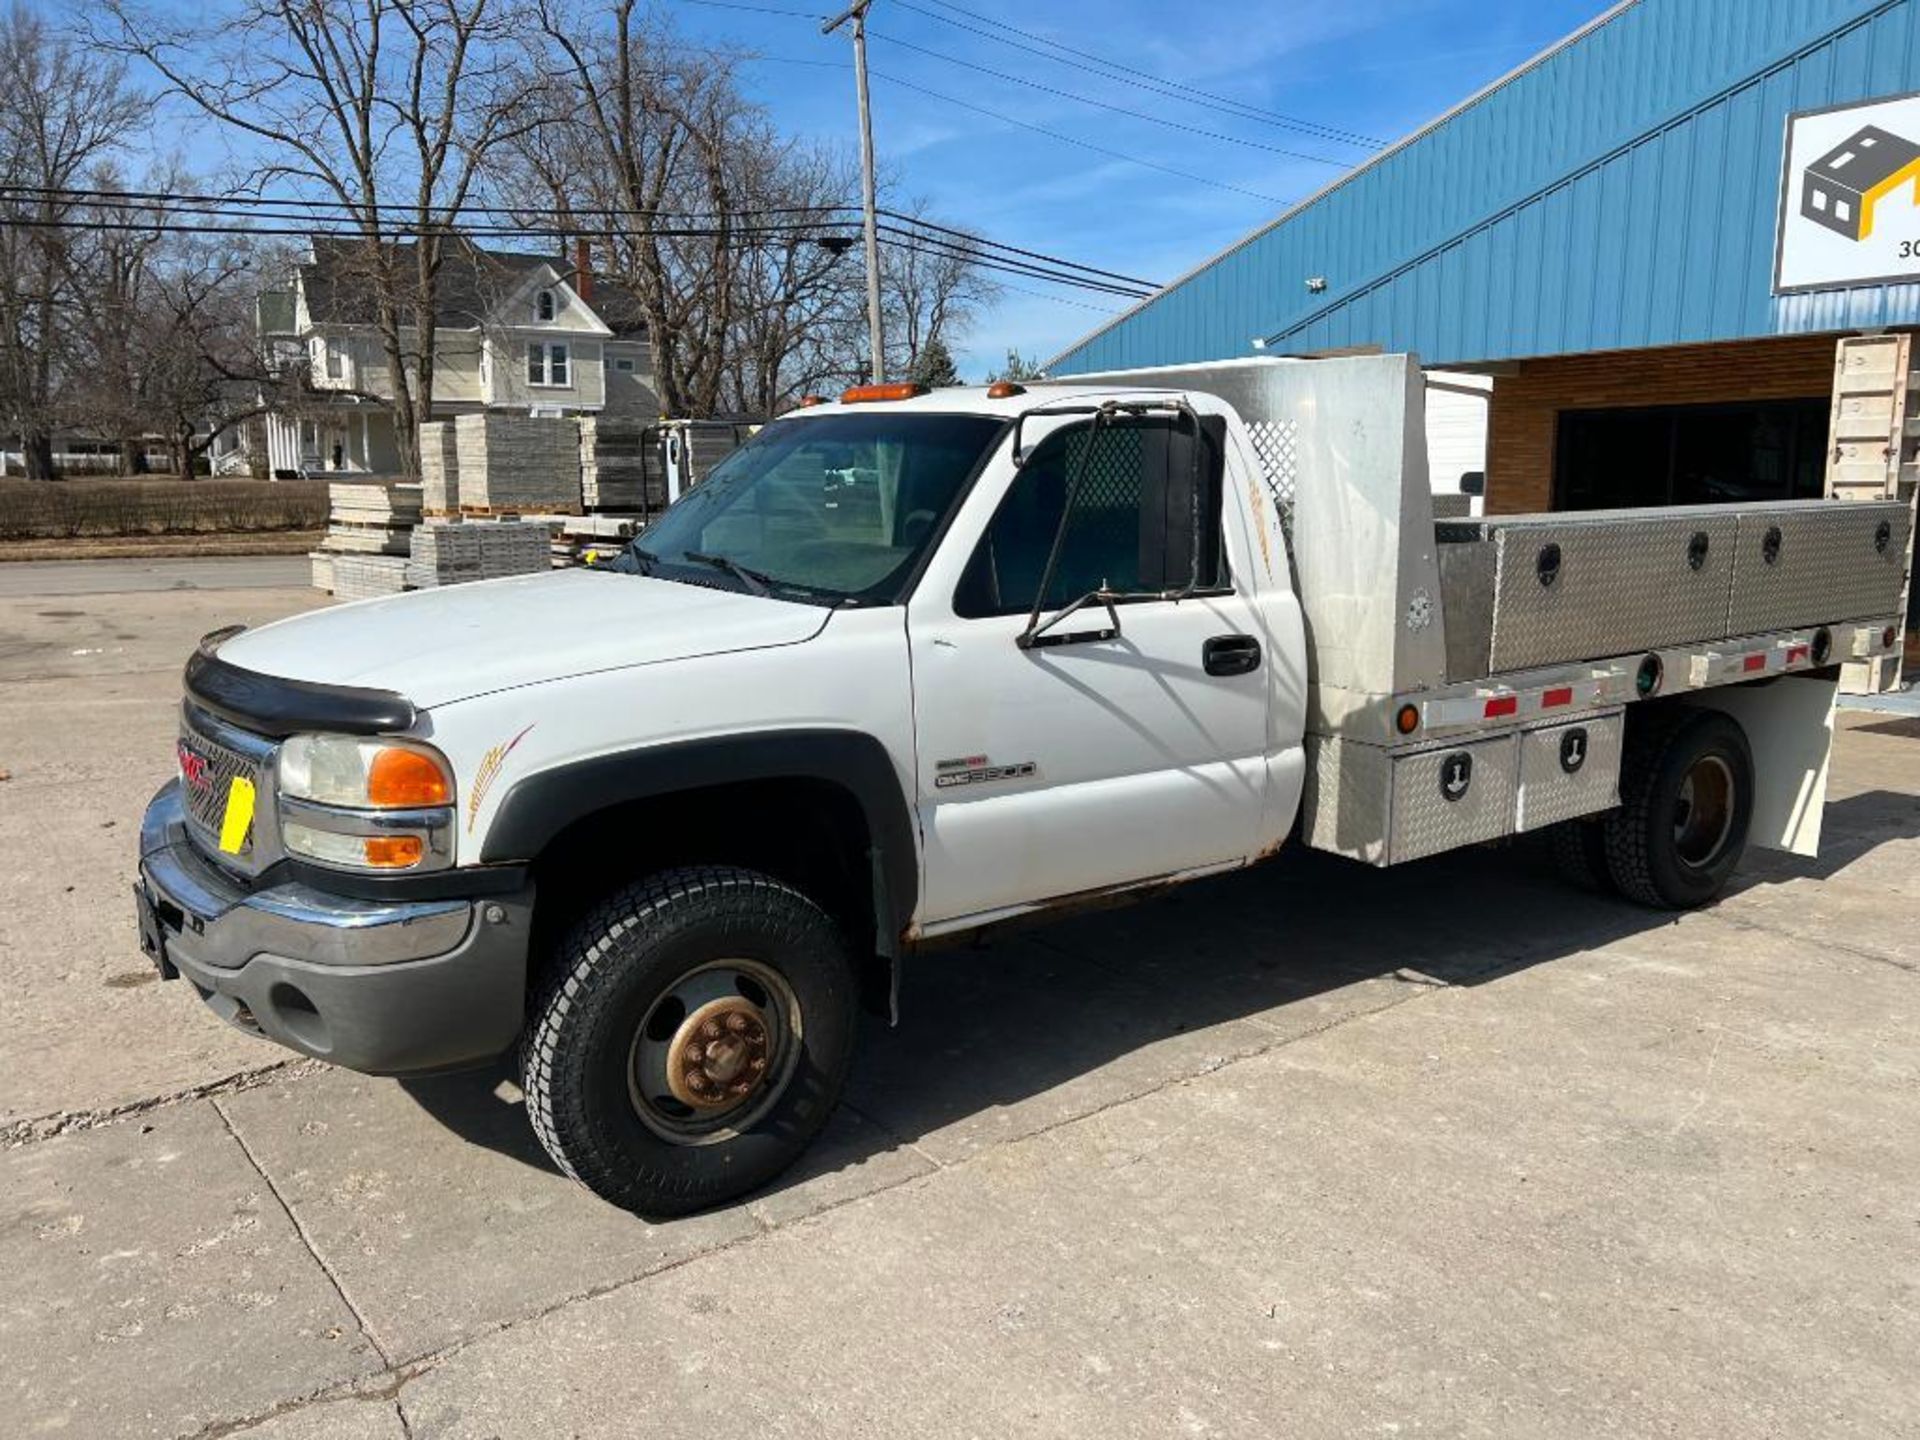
(1622,190)
(1648,236)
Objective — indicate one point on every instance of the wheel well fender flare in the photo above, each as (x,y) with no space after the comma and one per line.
(543,804)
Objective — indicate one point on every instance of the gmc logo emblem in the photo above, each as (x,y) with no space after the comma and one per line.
(193,768)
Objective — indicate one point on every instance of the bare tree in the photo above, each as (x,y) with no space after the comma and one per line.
(646,138)
(932,288)
(387,109)
(731,239)
(63,112)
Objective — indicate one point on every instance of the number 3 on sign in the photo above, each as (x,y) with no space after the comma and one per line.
(239,817)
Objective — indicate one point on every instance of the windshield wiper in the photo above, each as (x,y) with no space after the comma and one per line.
(757,581)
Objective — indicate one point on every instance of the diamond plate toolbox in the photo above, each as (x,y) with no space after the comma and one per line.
(1569,770)
(1816,562)
(1582,586)
(1386,807)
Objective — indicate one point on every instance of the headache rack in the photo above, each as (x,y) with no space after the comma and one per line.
(1468,679)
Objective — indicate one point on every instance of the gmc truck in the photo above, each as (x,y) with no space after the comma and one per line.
(910,665)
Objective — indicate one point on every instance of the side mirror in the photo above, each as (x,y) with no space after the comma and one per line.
(1473,482)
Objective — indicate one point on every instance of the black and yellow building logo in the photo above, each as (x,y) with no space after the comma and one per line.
(1842,188)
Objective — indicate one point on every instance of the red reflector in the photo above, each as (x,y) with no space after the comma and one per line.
(1797,653)
(1503,705)
(1754,662)
(1562,696)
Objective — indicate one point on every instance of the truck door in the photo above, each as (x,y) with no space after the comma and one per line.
(1088,763)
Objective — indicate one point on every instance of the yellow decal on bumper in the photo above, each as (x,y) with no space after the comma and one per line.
(238,820)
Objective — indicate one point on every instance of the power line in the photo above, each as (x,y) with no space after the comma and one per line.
(1174,89)
(747,237)
(1142,79)
(1106,105)
(1015,249)
(1074,140)
(540,221)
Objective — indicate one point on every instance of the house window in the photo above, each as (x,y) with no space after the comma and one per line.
(546,364)
(543,305)
(625,367)
(336,359)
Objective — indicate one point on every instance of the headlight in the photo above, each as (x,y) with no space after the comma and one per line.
(364,774)
(366,804)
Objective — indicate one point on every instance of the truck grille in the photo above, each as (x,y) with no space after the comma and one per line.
(211,756)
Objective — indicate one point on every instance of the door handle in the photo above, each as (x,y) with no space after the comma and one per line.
(1231,655)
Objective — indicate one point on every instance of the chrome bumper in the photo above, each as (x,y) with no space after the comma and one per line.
(388,987)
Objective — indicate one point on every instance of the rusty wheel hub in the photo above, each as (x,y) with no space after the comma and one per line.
(719,1055)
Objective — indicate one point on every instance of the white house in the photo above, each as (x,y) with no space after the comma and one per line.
(527,334)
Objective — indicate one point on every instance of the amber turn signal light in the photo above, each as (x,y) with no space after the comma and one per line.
(1408,720)
(898,390)
(406,779)
(394,852)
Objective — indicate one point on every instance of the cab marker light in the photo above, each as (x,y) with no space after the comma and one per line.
(896,390)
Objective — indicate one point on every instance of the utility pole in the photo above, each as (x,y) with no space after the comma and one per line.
(875,338)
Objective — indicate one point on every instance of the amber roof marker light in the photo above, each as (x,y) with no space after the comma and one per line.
(895,390)
(1004,390)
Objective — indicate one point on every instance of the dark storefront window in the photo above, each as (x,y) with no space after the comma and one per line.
(1690,454)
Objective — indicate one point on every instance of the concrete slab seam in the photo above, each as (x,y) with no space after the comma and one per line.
(300,1229)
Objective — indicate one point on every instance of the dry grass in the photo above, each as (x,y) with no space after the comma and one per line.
(72,509)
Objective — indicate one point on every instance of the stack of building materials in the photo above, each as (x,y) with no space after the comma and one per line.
(590,539)
(371,519)
(620,466)
(517,463)
(364,577)
(439,467)
(322,563)
(451,552)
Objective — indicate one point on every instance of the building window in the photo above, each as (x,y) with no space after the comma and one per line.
(1819,199)
(546,364)
(543,305)
(336,351)
(624,366)
(1691,454)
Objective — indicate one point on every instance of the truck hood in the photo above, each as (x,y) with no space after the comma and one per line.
(438,646)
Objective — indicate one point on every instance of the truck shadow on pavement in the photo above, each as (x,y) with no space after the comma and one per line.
(1034,1026)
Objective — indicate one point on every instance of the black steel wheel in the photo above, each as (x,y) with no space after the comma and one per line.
(693,1037)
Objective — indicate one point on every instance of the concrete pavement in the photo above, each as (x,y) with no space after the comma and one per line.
(1313,1150)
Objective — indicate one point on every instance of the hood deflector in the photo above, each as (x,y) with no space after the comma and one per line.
(272,705)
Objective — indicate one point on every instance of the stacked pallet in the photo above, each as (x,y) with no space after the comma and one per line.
(517,463)
(439,467)
(451,552)
(366,577)
(371,519)
(620,465)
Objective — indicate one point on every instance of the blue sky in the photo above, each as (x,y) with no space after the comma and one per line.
(1372,67)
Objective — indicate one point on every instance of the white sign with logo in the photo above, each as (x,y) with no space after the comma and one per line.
(1850,197)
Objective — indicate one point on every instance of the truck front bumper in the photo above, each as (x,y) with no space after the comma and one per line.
(389,987)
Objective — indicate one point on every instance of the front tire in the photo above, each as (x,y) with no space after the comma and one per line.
(1686,792)
(694,1036)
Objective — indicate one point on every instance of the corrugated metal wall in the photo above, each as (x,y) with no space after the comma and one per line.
(1621,192)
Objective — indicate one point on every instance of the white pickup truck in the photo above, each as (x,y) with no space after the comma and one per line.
(910,665)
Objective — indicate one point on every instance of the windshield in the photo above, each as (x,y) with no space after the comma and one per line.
(834,509)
